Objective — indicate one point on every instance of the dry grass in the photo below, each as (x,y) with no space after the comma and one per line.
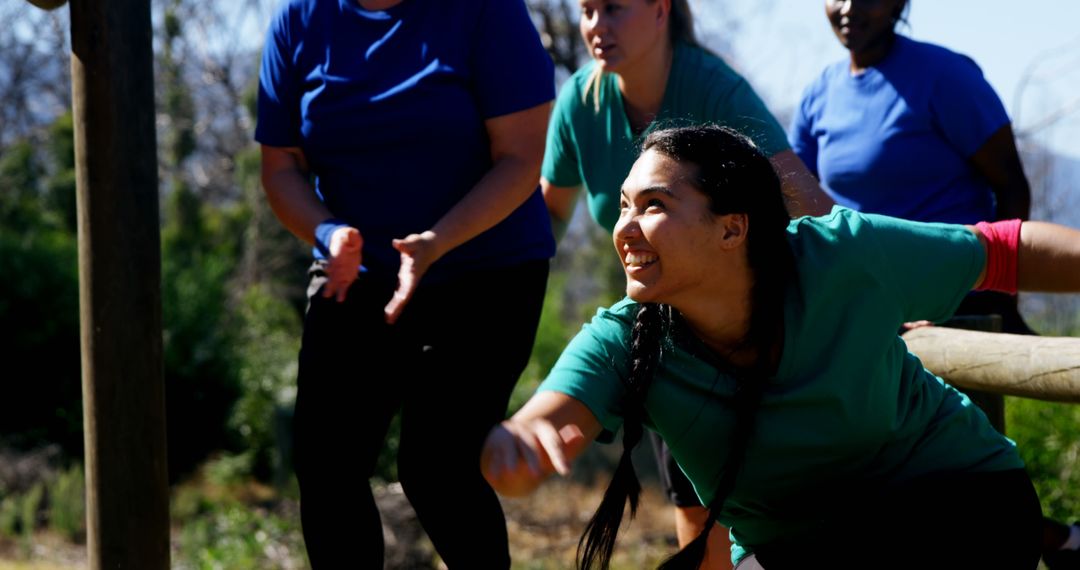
(545,527)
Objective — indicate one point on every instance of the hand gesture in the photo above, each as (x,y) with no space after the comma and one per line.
(344,262)
(519,455)
(418,252)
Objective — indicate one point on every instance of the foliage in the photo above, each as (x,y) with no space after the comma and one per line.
(1048,437)
(39,328)
(9,516)
(67,503)
(29,507)
(237,536)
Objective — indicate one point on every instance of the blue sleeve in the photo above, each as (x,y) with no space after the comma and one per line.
(279,100)
(513,71)
(801,136)
(965,107)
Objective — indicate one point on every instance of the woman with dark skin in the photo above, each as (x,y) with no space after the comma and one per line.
(897,102)
(764,352)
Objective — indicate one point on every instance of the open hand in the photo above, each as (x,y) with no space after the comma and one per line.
(418,252)
(519,455)
(344,262)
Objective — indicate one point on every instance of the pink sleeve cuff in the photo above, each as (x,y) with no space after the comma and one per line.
(1002,243)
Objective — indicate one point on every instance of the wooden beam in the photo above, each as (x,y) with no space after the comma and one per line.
(1037,367)
(119,284)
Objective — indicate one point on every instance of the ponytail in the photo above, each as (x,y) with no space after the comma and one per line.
(646,345)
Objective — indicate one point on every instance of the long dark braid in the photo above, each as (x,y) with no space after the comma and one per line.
(646,346)
(737,178)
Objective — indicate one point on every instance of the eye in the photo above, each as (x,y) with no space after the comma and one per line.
(586,12)
(611,8)
(654,204)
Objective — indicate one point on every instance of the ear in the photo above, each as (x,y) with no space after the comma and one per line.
(734,228)
(663,13)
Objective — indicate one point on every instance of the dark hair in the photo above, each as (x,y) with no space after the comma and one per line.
(901,13)
(737,178)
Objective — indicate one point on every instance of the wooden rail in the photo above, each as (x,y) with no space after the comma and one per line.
(1037,367)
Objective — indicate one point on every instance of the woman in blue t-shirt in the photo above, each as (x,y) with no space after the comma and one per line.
(407,135)
(913,130)
(764,351)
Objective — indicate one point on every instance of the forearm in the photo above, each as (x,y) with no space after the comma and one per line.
(803,195)
(511,180)
(560,201)
(1048,258)
(294,202)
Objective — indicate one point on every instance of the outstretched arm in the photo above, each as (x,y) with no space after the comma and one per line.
(802,193)
(542,438)
(1047,258)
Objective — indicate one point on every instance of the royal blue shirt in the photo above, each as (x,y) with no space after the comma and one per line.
(389,109)
(897,139)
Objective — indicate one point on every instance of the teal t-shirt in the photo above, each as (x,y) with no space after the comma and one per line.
(849,406)
(597,148)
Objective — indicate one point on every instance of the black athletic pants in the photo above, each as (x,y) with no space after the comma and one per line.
(449,364)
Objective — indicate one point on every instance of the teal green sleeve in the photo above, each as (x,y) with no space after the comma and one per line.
(561,164)
(740,108)
(593,366)
(928,267)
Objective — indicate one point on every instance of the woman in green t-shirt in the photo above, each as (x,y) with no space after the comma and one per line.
(764,352)
(648,68)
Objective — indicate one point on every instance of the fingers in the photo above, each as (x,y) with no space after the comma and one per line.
(345,248)
(552,443)
(917,325)
(414,262)
(406,285)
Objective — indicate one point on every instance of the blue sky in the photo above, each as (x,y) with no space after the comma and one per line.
(781,45)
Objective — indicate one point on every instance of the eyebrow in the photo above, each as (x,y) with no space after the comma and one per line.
(651,190)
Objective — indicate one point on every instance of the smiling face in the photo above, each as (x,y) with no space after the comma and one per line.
(672,246)
(619,33)
(864,26)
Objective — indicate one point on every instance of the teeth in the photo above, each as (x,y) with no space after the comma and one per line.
(639,259)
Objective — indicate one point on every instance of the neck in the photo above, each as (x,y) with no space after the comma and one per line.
(643,86)
(720,316)
(376,5)
(873,53)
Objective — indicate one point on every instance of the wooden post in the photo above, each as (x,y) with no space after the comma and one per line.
(119,285)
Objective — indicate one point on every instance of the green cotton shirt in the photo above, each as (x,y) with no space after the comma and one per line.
(597,148)
(849,407)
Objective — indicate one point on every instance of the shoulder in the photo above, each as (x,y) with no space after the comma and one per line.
(578,82)
(571,98)
(292,17)
(708,71)
(933,58)
(617,319)
(301,11)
